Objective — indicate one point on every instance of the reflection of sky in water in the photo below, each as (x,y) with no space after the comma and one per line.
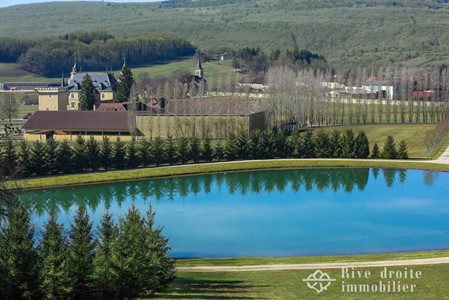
(224,215)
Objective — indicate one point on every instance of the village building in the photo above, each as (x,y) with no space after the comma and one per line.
(256,84)
(67,125)
(52,98)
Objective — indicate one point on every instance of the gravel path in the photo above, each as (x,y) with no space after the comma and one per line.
(279,267)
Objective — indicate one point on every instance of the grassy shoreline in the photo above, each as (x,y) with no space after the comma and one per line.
(197,169)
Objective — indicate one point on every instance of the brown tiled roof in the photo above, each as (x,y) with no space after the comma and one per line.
(237,107)
(78,120)
(111,107)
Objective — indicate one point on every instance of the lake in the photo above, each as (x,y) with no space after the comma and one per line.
(275,212)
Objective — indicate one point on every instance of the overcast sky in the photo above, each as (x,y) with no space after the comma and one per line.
(4,3)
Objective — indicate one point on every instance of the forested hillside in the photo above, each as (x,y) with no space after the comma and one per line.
(345,31)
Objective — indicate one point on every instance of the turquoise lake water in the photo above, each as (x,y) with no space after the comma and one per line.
(276,212)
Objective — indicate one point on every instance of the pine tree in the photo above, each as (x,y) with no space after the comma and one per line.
(157,151)
(51,148)
(129,255)
(105,274)
(218,151)
(348,143)
(194,149)
(131,155)
(119,154)
(376,151)
(170,151)
(87,94)
(402,151)
(125,83)
(307,145)
(9,159)
(230,148)
(206,150)
(144,153)
(23,159)
(79,154)
(282,149)
(106,154)
(53,273)
(322,145)
(335,144)
(38,159)
(256,149)
(389,150)
(243,145)
(182,149)
(64,157)
(80,256)
(160,268)
(268,144)
(20,257)
(92,154)
(361,145)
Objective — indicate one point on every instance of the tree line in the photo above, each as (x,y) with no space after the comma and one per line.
(51,157)
(127,259)
(94,51)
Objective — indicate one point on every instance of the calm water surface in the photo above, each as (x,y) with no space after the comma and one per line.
(276,213)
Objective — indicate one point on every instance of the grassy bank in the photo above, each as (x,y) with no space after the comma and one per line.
(126,175)
(289,285)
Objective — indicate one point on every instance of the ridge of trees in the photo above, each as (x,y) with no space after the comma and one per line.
(97,50)
(59,157)
(127,259)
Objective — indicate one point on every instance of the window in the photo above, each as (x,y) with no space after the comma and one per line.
(102,95)
(72,95)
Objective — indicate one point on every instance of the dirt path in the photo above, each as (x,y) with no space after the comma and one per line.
(279,267)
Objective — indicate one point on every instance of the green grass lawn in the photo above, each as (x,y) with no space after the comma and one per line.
(11,73)
(289,285)
(414,135)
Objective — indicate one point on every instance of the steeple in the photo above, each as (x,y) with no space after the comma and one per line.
(74,69)
(199,72)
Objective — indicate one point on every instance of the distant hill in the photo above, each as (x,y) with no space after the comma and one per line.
(346,31)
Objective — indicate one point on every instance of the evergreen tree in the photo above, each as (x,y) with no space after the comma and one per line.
(282,149)
(24,159)
(87,94)
(256,147)
(9,159)
(124,84)
(92,154)
(20,257)
(119,154)
(389,150)
(38,159)
(131,155)
(361,145)
(335,144)
(231,149)
(182,149)
(106,154)
(157,151)
(243,145)
(218,151)
(80,256)
(51,148)
(376,151)
(206,150)
(79,154)
(348,144)
(402,151)
(268,144)
(64,157)
(128,255)
(194,149)
(322,145)
(53,273)
(105,274)
(170,151)
(295,144)
(160,268)
(307,146)
(144,153)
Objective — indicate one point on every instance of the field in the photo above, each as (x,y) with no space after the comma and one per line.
(345,32)
(414,135)
(11,73)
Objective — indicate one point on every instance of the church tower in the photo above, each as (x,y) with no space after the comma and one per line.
(199,72)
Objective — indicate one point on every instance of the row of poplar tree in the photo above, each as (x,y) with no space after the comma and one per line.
(127,259)
(54,157)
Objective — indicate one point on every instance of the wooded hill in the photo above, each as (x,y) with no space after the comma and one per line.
(345,31)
